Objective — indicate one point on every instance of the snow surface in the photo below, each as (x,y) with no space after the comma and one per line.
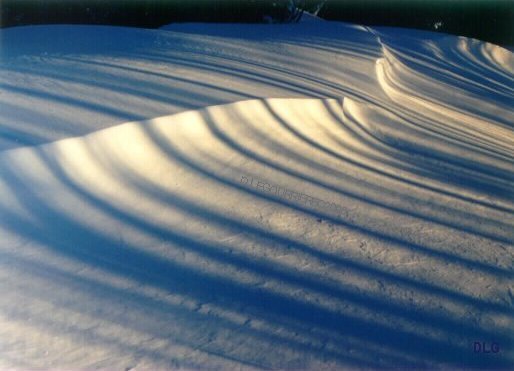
(130,236)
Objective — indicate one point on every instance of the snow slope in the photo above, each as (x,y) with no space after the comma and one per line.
(78,79)
(132,236)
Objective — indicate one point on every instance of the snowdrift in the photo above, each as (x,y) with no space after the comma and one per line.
(204,237)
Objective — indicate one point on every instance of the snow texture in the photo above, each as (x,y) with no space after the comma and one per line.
(129,237)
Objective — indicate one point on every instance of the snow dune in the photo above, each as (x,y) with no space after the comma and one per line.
(141,244)
(78,79)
